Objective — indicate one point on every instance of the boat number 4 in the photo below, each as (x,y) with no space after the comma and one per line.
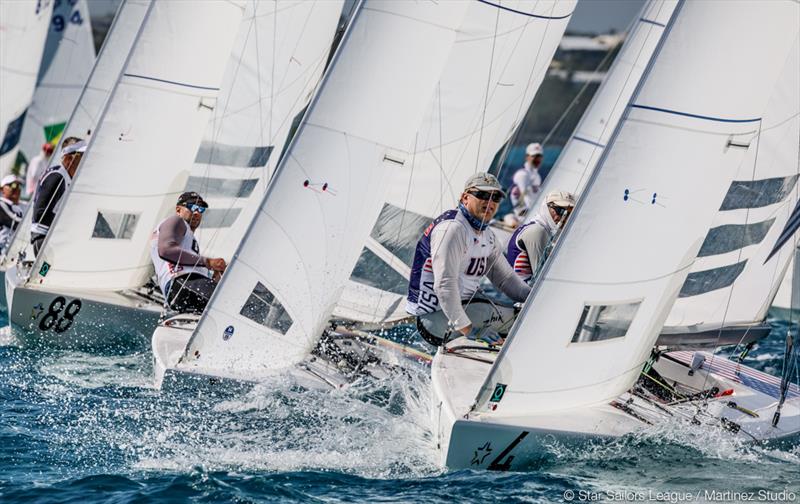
(60,315)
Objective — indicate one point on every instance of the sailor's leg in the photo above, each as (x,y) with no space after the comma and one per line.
(434,327)
(190,293)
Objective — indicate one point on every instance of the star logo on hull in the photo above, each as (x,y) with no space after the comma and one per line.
(481,453)
(36,311)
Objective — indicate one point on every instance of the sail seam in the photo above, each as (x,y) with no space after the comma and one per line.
(538,16)
(176,83)
(643,20)
(695,116)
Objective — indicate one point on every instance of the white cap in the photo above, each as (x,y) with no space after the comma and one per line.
(484,182)
(561,199)
(534,149)
(79,146)
(10,179)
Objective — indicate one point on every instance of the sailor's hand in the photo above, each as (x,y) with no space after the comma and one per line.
(216,276)
(485,335)
(216,264)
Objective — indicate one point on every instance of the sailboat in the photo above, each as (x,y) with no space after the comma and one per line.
(66,64)
(160,102)
(23,29)
(277,295)
(500,58)
(86,114)
(583,339)
(698,318)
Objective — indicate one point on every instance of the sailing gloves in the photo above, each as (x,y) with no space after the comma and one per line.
(485,335)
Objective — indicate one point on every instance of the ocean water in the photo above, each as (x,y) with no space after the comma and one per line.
(88,428)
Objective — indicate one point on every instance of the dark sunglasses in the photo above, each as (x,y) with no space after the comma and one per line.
(14,186)
(560,211)
(495,196)
(195,208)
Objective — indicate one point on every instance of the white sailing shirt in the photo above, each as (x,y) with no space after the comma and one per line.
(167,271)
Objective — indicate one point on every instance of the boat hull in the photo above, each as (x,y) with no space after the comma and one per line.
(86,321)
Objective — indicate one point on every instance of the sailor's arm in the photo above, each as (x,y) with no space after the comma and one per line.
(8,218)
(503,277)
(49,193)
(448,250)
(170,235)
(534,240)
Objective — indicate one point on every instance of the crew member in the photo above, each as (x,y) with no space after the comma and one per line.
(455,252)
(186,278)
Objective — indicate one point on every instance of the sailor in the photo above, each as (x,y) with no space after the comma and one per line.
(10,209)
(454,253)
(186,278)
(530,243)
(36,168)
(52,186)
(527,180)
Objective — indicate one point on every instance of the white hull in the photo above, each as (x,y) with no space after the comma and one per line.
(78,320)
(494,442)
(366,354)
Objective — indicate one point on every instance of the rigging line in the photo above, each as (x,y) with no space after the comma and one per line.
(488,85)
(733,286)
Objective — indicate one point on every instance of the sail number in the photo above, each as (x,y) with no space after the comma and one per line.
(59,21)
(60,314)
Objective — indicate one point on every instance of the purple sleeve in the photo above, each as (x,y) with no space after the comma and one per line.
(170,235)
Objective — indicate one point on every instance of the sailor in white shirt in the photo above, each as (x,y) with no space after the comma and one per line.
(454,253)
(36,168)
(527,180)
(10,208)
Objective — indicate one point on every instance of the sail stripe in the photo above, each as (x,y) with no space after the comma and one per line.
(701,282)
(596,144)
(176,83)
(791,226)
(730,237)
(695,116)
(523,13)
(643,20)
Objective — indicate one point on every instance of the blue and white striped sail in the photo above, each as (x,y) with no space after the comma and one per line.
(499,60)
(68,60)
(604,296)
(752,238)
(92,101)
(277,61)
(23,30)
(140,152)
(584,148)
(277,295)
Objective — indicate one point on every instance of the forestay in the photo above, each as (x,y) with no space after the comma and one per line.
(597,310)
(68,59)
(23,29)
(498,62)
(277,61)
(139,156)
(579,156)
(275,299)
(731,282)
(93,98)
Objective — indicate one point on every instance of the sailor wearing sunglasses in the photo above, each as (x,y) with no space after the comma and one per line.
(530,244)
(454,254)
(186,278)
(10,209)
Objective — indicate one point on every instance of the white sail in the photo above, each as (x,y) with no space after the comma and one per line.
(602,299)
(23,29)
(91,103)
(277,61)
(498,62)
(139,155)
(732,282)
(277,295)
(68,59)
(579,156)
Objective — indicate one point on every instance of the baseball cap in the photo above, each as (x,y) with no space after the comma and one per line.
(191,197)
(47,147)
(484,182)
(562,199)
(534,149)
(10,179)
(79,146)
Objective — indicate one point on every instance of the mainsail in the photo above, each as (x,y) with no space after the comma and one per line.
(277,61)
(500,58)
(598,306)
(277,295)
(93,98)
(23,30)
(68,59)
(139,154)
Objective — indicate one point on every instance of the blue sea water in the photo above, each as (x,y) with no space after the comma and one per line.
(89,428)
